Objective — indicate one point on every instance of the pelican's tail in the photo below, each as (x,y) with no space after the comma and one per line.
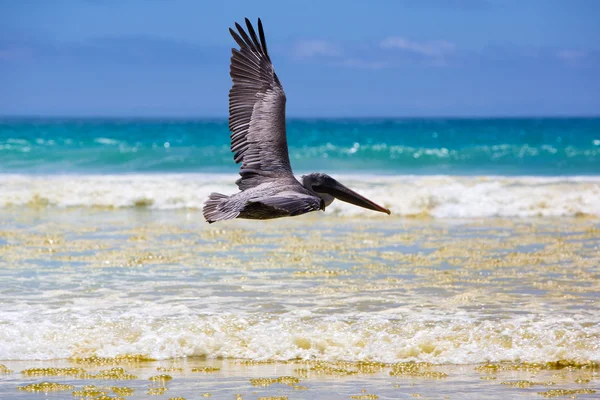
(217,208)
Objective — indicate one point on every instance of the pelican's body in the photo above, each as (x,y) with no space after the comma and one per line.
(278,198)
(268,188)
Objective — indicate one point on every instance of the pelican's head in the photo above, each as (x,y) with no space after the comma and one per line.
(328,189)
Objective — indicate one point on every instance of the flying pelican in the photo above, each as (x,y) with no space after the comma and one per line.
(268,188)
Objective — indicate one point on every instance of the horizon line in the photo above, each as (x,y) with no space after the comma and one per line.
(301,117)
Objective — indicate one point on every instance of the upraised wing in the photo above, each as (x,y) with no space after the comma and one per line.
(256,111)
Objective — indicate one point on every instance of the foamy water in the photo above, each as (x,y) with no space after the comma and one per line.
(435,196)
(77,282)
(171,332)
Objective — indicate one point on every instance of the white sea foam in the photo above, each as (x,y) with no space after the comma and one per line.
(175,331)
(106,141)
(436,196)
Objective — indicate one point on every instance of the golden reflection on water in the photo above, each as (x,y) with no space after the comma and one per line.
(565,378)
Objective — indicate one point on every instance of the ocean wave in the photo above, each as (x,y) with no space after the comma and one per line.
(406,196)
(66,333)
(120,156)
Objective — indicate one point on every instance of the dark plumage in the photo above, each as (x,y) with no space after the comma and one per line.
(268,188)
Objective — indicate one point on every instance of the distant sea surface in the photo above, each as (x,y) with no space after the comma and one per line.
(387,146)
(511,167)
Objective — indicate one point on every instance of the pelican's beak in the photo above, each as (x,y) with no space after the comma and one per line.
(348,195)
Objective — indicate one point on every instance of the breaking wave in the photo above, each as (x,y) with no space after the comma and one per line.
(178,332)
(405,195)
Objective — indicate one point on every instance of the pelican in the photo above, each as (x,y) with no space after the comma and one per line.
(268,188)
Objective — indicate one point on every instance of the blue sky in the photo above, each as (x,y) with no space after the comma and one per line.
(334,58)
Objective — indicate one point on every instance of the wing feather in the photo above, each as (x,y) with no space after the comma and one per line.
(247,40)
(261,32)
(292,202)
(237,38)
(256,111)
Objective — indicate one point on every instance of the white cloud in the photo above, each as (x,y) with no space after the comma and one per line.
(433,48)
(363,64)
(316,48)
(571,56)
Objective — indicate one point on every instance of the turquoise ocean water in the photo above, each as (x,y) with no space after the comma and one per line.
(550,147)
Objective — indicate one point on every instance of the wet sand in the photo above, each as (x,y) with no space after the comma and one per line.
(194,378)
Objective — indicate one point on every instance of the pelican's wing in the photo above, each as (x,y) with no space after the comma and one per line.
(292,202)
(256,111)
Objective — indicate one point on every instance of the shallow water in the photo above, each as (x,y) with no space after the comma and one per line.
(193,378)
(324,296)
